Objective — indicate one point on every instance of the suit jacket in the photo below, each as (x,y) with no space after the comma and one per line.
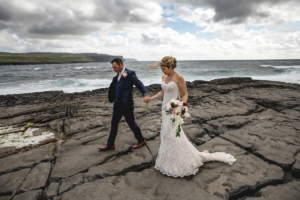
(122,90)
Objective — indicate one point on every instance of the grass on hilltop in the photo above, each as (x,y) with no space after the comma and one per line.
(14,58)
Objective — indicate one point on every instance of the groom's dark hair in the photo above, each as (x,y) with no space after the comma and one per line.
(119,61)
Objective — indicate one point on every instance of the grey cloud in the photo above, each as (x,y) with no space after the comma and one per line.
(235,11)
(55,19)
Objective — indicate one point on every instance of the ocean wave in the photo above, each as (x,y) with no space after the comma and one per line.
(67,85)
(282,67)
(37,68)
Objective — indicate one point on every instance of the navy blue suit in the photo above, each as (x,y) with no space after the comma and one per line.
(121,91)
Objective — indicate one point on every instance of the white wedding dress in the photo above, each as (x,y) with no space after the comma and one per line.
(177,156)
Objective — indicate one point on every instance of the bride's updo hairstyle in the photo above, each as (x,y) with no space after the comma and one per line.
(167,61)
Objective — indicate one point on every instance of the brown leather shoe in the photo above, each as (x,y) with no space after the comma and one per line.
(138,145)
(107,148)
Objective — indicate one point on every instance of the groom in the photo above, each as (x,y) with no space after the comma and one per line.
(120,92)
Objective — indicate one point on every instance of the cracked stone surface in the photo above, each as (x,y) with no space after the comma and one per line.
(37,178)
(27,159)
(285,191)
(10,182)
(31,195)
(52,190)
(70,183)
(256,121)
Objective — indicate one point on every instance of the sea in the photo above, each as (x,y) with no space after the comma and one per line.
(79,77)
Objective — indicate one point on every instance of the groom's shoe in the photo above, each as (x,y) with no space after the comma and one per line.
(107,148)
(138,145)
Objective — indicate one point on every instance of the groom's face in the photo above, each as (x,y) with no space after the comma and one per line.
(116,67)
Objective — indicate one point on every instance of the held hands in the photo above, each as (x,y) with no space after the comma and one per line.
(147,99)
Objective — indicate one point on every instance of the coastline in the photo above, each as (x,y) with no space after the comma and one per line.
(256,121)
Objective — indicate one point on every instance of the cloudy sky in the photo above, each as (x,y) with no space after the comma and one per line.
(149,30)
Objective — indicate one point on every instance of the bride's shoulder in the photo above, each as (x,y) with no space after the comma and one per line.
(163,76)
(178,76)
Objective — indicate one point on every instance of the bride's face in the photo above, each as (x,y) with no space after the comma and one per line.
(166,70)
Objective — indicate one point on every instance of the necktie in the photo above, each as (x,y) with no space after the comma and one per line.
(119,76)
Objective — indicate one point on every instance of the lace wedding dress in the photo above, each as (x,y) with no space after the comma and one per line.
(177,156)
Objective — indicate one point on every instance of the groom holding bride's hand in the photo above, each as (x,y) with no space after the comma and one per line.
(120,92)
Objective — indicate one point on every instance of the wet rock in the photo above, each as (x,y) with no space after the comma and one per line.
(26,159)
(288,191)
(52,190)
(70,183)
(10,182)
(31,195)
(37,178)
(136,160)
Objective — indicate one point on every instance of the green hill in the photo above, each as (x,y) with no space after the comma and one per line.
(52,58)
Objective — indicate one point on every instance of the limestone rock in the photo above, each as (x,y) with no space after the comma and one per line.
(136,160)
(52,190)
(296,169)
(37,178)
(288,191)
(70,183)
(274,142)
(11,181)
(26,159)
(246,174)
(31,195)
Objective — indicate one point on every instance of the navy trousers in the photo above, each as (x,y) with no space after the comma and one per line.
(119,110)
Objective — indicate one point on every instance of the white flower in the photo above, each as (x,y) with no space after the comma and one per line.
(178,110)
(186,108)
(187,115)
(169,106)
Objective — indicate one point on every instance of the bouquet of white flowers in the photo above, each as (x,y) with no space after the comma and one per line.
(178,111)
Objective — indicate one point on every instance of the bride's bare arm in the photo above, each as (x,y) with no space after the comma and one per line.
(182,88)
(158,95)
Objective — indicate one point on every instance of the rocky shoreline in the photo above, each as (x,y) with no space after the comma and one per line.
(258,122)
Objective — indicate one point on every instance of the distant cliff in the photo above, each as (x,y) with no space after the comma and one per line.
(52,58)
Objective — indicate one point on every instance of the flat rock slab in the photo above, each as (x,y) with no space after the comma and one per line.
(153,146)
(80,158)
(37,178)
(52,190)
(246,174)
(70,183)
(274,98)
(31,195)
(275,142)
(10,182)
(288,191)
(296,169)
(216,106)
(136,160)
(148,184)
(27,159)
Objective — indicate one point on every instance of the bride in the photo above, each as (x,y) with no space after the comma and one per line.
(177,156)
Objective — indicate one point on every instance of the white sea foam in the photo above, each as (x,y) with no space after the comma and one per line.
(20,140)
(78,67)
(37,68)
(282,67)
(68,85)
